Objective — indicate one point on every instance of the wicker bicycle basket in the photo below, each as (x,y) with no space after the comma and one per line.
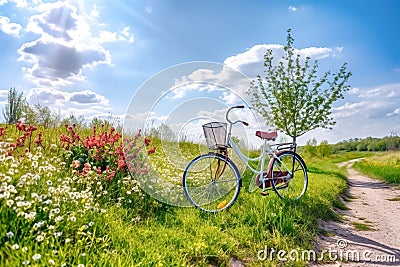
(215,133)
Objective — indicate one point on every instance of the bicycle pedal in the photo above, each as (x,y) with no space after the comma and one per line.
(264,193)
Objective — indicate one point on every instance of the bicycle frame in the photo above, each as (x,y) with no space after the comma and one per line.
(266,150)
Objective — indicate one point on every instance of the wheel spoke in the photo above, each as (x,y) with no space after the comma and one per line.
(208,190)
(295,187)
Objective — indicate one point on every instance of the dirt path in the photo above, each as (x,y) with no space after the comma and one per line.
(373,205)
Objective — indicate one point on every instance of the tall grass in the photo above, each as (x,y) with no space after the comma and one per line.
(384,166)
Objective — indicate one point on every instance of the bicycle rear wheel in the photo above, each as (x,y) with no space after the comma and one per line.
(211,182)
(289,175)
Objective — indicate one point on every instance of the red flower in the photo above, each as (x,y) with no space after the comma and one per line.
(110,176)
(39,140)
(151,150)
(147,141)
(2,131)
(121,163)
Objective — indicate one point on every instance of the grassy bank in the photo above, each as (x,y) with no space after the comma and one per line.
(385,166)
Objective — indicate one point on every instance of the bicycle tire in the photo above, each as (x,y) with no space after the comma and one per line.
(208,190)
(285,185)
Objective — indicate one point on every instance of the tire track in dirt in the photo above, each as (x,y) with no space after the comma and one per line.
(372,206)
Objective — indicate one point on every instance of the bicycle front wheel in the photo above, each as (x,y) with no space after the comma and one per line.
(289,175)
(211,182)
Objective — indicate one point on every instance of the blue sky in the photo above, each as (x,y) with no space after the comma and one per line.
(90,57)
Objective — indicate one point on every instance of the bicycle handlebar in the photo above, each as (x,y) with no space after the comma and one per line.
(227,117)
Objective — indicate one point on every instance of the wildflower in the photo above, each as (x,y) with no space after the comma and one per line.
(15,247)
(24,249)
(39,238)
(39,140)
(81,265)
(9,202)
(52,262)
(151,150)
(36,257)
(10,234)
(75,164)
(49,183)
(147,141)
(26,262)
(57,234)
(38,225)
(121,164)
(91,224)
(72,218)
(56,211)
(110,176)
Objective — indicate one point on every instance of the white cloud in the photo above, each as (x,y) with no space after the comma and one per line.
(47,96)
(54,97)
(55,64)
(391,91)
(88,97)
(366,109)
(66,45)
(394,113)
(224,80)
(18,3)
(59,22)
(95,13)
(9,27)
(251,62)
(295,8)
(354,91)
(125,35)
(230,98)
(317,52)
(234,74)
(107,36)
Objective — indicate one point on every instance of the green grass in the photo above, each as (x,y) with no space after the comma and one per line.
(362,227)
(385,166)
(116,224)
(394,199)
(346,156)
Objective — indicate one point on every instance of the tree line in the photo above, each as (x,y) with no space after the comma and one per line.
(387,143)
(374,144)
(17,108)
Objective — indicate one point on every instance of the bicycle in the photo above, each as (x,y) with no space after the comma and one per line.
(212,181)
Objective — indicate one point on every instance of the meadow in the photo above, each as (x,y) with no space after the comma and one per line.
(67,199)
(385,166)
